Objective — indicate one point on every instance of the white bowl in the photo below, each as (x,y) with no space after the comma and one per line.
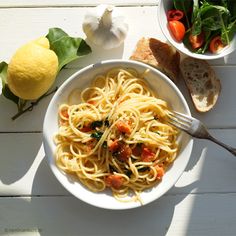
(163,7)
(161,84)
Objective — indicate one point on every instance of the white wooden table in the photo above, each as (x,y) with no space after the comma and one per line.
(32,202)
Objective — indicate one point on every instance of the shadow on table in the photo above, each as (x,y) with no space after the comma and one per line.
(18,163)
(66,215)
(56,212)
(59,213)
(98,54)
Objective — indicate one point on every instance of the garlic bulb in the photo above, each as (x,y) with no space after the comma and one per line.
(104,25)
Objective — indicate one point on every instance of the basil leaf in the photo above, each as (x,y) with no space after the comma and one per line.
(67,48)
(5,89)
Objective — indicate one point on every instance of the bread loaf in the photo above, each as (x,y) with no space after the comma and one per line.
(202,83)
(158,54)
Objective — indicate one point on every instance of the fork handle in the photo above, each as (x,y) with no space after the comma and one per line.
(227,147)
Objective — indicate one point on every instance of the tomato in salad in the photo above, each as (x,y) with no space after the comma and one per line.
(216,45)
(174,15)
(196,24)
(177,28)
(196,41)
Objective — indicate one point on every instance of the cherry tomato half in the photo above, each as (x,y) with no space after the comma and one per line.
(177,28)
(196,41)
(216,45)
(174,15)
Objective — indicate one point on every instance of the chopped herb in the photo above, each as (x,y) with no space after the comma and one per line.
(116,154)
(112,169)
(104,145)
(143,169)
(106,122)
(128,173)
(96,124)
(97,135)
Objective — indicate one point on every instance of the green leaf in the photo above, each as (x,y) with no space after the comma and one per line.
(54,34)
(196,19)
(231,5)
(67,48)
(97,123)
(97,135)
(3,71)
(214,17)
(228,34)
(5,89)
(184,6)
(186,40)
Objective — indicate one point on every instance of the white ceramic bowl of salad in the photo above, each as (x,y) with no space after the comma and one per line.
(208,44)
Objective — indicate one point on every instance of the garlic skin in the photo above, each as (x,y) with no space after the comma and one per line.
(105,26)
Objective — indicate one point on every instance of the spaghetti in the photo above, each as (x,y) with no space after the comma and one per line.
(117,137)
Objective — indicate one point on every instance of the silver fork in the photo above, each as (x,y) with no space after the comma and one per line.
(195,128)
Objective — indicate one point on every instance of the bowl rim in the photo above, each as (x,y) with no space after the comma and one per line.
(123,63)
(226,51)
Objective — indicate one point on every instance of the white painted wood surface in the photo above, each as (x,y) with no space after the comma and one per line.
(32,202)
(72,3)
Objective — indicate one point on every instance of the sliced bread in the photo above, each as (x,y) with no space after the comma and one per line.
(158,54)
(202,83)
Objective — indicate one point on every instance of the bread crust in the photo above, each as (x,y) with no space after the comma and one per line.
(202,83)
(159,55)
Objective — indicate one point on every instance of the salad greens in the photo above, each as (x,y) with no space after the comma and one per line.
(211,17)
(67,50)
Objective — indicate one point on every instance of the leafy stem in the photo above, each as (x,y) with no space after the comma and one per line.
(21,105)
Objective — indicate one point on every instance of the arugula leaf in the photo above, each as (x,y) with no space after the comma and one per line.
(231,5)
(184,6)
(5,89)
(214,17)
(186,41)
(228,34)
(196,19)
(67,48)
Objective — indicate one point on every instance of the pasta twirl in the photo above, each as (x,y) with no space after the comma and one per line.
(117,137)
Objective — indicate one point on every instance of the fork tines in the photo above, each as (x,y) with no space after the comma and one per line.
(179,120)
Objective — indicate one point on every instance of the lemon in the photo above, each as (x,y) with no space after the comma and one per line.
(32,69)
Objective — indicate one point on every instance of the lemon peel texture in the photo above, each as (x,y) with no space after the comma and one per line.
(32,69)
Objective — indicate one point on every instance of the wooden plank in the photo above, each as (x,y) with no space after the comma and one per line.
(30,121)
(29,24)
(72,3)
(32,23)
(24,169)
(189,214)
(216,118)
